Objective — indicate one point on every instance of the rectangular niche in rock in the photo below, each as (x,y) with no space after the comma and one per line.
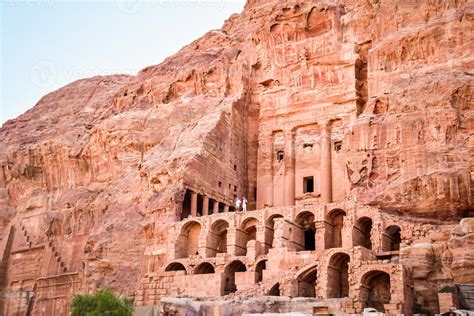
(308,184)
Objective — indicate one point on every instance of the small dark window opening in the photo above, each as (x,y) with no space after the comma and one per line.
(280,156)
(210,209)
(309,240)
(235,167)
(255,194)
(220,184)
(338,146)
(199,205)
(308,146)
(186,205)
(308,184)
(235,188)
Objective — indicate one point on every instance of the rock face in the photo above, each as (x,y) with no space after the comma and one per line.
(348,126)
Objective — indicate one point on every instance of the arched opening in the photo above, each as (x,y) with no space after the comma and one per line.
(175,266)
(308,238)
(217,238)
(336,222)
(229,275)
(362,232)
(262,265)
(338,276)
(186,205)
(204,268)
(375,290)
(391,238)
(275,290)
(249,227)
(187,241)
(307,283)
(270,223)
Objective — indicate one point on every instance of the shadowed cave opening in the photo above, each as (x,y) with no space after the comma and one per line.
(229,275)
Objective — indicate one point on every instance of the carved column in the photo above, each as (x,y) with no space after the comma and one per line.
(265,171)
(235,237)
(226,208)
(280,238)
(260,236)
(347,228)
(326,164)
(289,167)
(194,201)
(320,234)
(205,205)
(215,207)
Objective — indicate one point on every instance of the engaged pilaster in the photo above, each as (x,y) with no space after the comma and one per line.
(265,171)
(194,200)
(289,167)
(205,205)
(326,164)
(215,207)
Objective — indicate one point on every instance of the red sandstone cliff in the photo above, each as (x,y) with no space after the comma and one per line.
(94,172)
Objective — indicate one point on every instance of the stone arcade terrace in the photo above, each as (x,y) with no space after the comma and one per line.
(339,251)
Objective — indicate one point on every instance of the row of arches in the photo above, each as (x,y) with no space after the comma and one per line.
(337,276)
(361,232)
(187,243)
(374,291)
(229,272)
(362,235)
(202,268)
(303,234)
(374,288)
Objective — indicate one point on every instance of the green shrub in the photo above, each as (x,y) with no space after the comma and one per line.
(102,303)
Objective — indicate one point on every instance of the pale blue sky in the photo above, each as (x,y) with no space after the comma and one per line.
(46,44)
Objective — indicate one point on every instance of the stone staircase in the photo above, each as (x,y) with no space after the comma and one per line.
(26,236)
(58,264)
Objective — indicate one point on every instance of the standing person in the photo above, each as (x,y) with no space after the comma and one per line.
(244,204)
(237,203)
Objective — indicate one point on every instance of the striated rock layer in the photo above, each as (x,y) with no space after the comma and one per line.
(296,105)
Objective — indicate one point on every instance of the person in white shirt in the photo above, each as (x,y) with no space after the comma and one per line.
(244,204)
(237,203)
